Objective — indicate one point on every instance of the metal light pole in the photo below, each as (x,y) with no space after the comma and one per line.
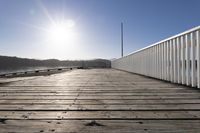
(122,40)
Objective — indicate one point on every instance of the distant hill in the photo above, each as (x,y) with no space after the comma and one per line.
(10,63)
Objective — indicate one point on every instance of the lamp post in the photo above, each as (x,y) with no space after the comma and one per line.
(122,40)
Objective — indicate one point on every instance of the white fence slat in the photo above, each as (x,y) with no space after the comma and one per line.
(165,60)
(176,59)
(183,58)
(187,59)
(171,61)
(168,61)
(198,58)
(193,69)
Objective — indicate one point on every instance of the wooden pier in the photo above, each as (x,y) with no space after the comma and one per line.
(97,101)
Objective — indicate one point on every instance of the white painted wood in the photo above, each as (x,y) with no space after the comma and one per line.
(181,34)
(183,58)
(171,61)
(198,58)
(178,60)
(193,69)
(149,62)
(168,61)
(175,59)
(165,60)
(161,63)
(187,59)
(154,61)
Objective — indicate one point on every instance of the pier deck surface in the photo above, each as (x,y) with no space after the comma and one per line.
(97,101)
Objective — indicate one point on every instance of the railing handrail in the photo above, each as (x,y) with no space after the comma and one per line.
(175,59)
(164,40)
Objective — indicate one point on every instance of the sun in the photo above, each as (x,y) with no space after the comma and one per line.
(61,32)
(61,38)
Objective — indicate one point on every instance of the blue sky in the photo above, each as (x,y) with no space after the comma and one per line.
(96,26)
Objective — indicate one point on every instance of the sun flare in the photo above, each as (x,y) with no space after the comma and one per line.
(61,32)
(61,38)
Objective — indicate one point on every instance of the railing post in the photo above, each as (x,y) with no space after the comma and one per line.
(183,58)
(178,59)
(168,61)
(198,58)
(187,60)
(165,60)
(175,60)
(160,61)
(193,69)
(171,62)
(158,57)
(155,63)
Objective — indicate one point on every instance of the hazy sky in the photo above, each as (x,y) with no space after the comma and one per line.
(34,28)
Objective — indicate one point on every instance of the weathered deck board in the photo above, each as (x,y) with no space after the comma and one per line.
(97,100)
(103,126)
(125,107)
(109,115)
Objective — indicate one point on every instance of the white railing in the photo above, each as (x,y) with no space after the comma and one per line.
(175,59)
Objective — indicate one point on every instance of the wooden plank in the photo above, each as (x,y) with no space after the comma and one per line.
(96,102)
(88,115)
(113,88)
(101,91)
(104,126)
(97,94)
(102,107)
(104,100)
(99,97)
(139,84)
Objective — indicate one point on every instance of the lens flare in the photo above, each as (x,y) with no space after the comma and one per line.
(61,32)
